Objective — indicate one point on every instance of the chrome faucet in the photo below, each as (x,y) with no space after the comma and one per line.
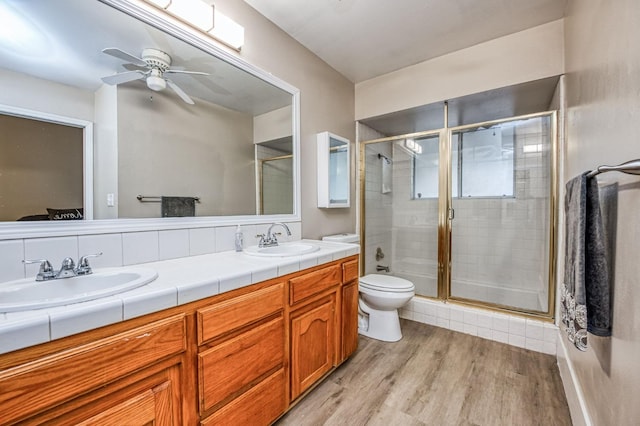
(270,240)
(67,269)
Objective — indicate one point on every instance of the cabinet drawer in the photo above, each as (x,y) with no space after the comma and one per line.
(233,366)
(226,316)
(349,271)
(32,387)
(313,283)
(259,406)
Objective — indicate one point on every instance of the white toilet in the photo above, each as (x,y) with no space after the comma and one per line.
(380,298)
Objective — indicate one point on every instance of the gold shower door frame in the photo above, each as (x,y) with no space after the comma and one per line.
(445,212)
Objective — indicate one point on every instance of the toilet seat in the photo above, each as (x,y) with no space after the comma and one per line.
(386,283)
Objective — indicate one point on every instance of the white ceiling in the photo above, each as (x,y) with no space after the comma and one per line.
(62,42)
(363,39)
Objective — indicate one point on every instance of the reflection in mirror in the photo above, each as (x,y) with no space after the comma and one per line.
(200,159)
(275,171)
(45,160)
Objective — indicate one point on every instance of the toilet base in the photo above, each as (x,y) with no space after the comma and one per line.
(382,325)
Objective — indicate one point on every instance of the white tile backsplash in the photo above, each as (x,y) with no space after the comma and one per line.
(513,330)
(202,241)
(139,247)
(129,248)
(225,238)
(173,244)
(110,245)
(12,254)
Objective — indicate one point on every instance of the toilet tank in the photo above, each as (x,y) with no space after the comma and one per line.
(342,238)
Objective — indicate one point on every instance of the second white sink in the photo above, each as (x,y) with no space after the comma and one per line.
(26,294)
(282,250)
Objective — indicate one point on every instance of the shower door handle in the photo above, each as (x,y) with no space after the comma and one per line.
(452,214)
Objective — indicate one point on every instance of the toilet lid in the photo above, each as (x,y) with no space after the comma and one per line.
(386,283)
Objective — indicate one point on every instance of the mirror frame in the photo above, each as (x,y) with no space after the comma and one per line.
(175,28)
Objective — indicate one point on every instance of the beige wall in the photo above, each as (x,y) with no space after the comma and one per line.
(40,167)
(24,91)
(603,88)
(272,125)
(327,104)
(168,148)
(517,58)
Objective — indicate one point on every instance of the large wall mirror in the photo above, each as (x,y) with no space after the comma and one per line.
(217,140)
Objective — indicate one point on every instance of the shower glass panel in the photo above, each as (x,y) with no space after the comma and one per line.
(401,210)
(500,231)
(276,185)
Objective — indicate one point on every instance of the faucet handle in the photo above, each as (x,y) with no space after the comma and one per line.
(67,264)
(46,271)
(83,264)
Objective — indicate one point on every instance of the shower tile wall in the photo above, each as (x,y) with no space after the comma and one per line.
(415,230)
(378,233)
(500,246)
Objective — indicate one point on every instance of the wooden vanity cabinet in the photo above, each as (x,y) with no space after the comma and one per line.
(238,358)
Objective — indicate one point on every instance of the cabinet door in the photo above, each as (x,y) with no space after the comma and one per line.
(151,407)
(312,345)
(349,319)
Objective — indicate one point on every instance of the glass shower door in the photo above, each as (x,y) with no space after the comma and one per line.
(401,210)
(501,192)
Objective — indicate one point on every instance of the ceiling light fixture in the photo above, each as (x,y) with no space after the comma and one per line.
(206,18)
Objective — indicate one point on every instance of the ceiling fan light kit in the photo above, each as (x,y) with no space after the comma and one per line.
(151,67)
(156,83)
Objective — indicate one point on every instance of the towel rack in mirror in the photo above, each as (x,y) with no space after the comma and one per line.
(157,198)
(630,167)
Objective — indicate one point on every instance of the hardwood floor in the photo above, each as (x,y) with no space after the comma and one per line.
(435,376)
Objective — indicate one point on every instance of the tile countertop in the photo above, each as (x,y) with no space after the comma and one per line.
(179,281)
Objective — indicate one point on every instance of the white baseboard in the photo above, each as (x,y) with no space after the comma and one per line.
(572,388)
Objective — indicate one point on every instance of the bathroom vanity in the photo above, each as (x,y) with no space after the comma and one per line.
(240,357)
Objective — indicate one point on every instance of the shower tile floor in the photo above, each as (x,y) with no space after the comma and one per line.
(435,376)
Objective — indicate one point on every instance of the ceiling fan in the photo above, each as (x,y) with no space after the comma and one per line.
(151,67)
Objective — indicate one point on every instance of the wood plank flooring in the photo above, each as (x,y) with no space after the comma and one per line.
(435,376)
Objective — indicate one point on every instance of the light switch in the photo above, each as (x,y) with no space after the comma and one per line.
(110,200)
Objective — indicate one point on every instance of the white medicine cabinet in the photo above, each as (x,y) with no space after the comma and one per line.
(333,170)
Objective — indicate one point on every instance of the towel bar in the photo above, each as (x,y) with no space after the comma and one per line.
(157,198)
(630,167)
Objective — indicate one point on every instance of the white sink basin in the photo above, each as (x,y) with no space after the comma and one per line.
(25,294)
(282,250)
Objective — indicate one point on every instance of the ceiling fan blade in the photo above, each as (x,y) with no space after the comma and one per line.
(172,71)
(121,54)
(180,92)
(123,77)
(133,67)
